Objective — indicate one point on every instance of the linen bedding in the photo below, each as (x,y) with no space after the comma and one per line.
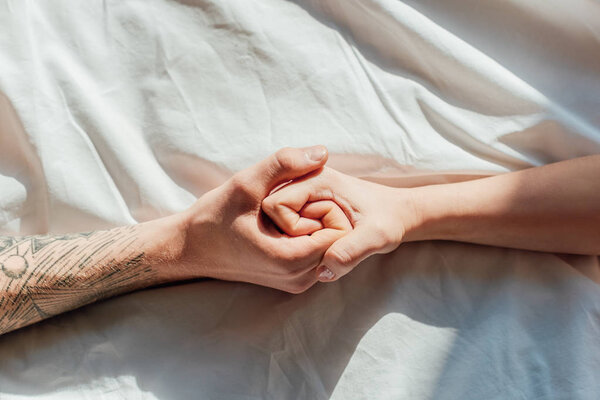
(117,112)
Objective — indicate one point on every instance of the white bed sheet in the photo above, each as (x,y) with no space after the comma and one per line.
(121,111)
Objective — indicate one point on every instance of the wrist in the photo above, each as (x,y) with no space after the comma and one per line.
(433,212)
(406,215)
(163,241)
(198,254)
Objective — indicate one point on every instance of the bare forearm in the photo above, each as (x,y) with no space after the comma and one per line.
(552,208)
(41,276)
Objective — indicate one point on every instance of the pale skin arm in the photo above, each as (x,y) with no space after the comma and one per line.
(224,235)
(553,208)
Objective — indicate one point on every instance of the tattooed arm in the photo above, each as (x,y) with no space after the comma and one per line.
(41,276)
(223,235)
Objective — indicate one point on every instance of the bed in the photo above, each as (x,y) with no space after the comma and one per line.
(117,112)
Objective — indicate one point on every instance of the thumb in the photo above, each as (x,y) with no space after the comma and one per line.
(347,252)
(287,164)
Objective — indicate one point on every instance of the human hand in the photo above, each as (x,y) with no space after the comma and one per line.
(381,216)
(228,237)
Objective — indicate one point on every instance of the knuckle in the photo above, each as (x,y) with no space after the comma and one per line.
(286,222)
(381,235)
(285,158)
(243,190)
(341,256)
(239,183)
(331,175)
(269,205)
(332,178)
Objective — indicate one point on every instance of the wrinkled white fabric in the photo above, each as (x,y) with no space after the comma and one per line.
(121,111)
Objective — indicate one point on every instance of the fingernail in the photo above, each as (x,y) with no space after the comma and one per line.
(316,153)
(326,274)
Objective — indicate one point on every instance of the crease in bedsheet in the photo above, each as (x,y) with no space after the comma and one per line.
(261,56)
(10,6)
(576,123)
(488,69)
(132,205)
(184,99)
(43,83)
(464,133)
(20,161)
(388,104)
(368,81)
(526,358)
(401,21)
(261,84)
(302,350)
(485,67)
(414,47)
(407,150)
(377,364)
(515,84)
(277,376)
(314,91)
(98,159)
(301,359)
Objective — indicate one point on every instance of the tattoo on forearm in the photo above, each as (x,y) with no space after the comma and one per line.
(41,276)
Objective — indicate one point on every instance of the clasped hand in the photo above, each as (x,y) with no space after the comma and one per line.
(289,221)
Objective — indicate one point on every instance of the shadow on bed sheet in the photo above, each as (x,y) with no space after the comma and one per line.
(19,161)
(512,314)
(565,123)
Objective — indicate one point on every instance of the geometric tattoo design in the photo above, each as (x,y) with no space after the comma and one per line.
(16,265)
(41,276)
